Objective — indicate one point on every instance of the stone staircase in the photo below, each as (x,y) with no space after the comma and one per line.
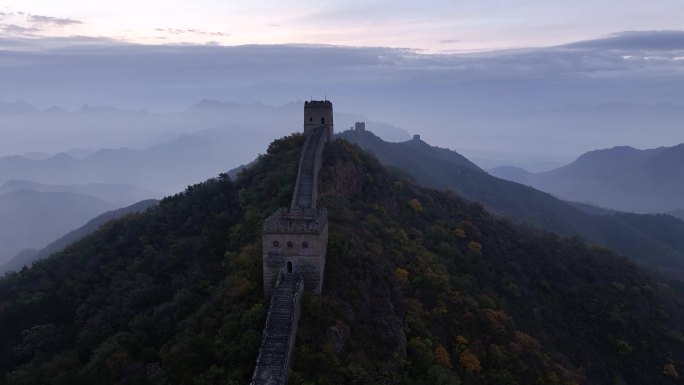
(307,171)
(278,336)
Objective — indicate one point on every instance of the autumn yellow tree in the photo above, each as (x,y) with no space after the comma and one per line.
(670,370)
(416,205)
(475,247)
(402,275)
(470,362)
(442,357)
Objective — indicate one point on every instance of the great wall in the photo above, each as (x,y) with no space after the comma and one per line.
(294,249)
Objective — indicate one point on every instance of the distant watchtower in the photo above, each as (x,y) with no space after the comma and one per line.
(318,113)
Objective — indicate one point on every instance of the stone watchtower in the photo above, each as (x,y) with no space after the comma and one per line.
(295,239)
(318,113)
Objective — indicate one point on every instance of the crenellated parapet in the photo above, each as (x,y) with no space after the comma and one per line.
(296,221)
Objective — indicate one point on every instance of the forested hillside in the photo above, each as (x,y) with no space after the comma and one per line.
(421,287)
(444,169)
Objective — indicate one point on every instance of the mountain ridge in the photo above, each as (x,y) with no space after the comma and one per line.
(28,256)
(622,178)
(525,204)
(31,219)
(116,194)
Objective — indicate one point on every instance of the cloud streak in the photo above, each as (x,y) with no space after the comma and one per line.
(22,24)
(14,29)
(652,41)
(51,21)
(177,31)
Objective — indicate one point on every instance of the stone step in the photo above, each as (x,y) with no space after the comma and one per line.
(272,361)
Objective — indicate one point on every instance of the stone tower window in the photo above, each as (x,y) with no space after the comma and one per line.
(310,118)
(289,266)
(305,245)
(322,120)
(289,244)
(276,244)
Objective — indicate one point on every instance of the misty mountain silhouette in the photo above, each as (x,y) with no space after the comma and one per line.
(445,169)
(28,256)
(165,167)
(250,127)
(622,178)
(117,194)
(17,107)
(677,213)
(32,219)
(196,144)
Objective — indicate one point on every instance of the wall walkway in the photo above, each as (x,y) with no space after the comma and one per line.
(273,362)
(278,337)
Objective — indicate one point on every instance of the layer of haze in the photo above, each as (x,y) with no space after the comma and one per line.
(521,106)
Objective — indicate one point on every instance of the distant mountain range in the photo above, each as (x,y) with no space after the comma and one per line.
(642,237)
(185,148)
(27,256)
(622,178)
(250,126)
(167,167)
(117,194)
(32,219)
(33,214)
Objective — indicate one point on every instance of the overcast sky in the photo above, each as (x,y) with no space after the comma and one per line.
(433,25)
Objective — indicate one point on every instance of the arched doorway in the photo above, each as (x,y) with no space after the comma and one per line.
(289,266)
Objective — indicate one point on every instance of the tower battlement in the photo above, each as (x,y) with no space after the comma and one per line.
(298,221)
(318,113)
(318,104)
